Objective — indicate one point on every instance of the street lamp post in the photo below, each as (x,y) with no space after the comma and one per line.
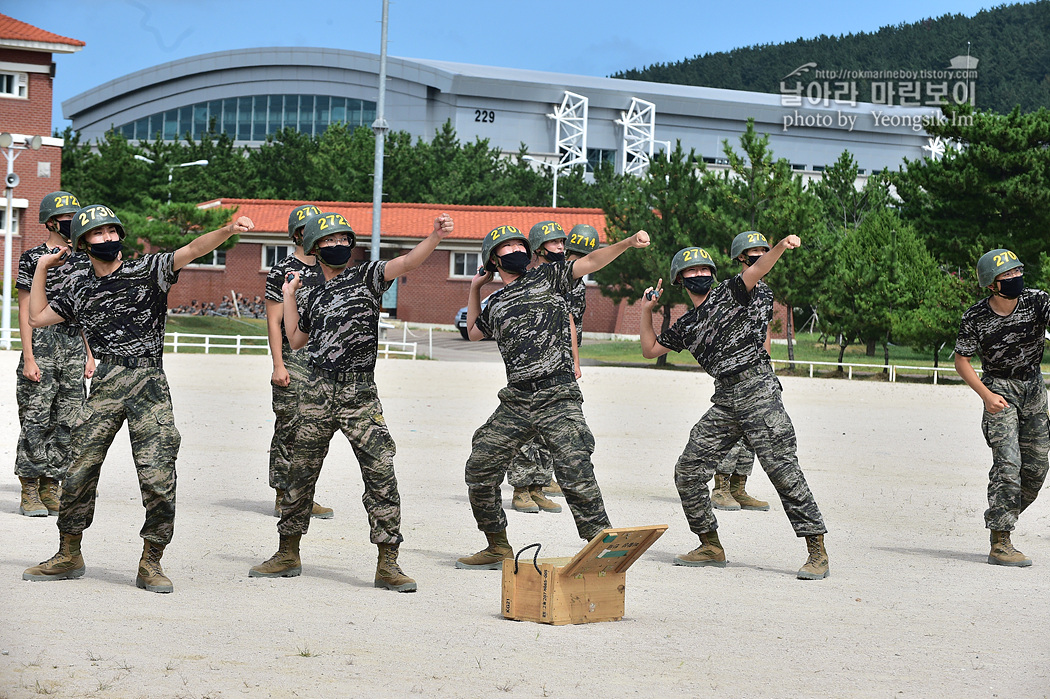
(171,168)
(12,144)
(555,169)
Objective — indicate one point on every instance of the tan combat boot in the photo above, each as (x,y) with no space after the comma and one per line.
(283,564)
(816,566)
(490,557)
(523,501)
(151,577)
(389,574)
(50,494)
(64,565)
(541,500)
(721,498)
(553,490)
(1003,552)
(746,502)
(709,553)
(30,505)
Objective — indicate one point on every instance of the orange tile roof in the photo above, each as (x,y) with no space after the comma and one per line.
(14,30)
(414,220)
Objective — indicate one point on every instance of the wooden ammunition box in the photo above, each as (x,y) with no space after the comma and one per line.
(588,587)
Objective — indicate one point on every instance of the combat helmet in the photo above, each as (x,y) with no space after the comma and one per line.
(318,227)
(496,237)
(91,217)
(543,232)
(690,257)
(56,204)
(993,263)
(582,239)
(297,219)
(746,241)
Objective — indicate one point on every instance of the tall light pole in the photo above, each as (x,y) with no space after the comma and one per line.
(555,169)
(379,128)
(171,168)
(12,144)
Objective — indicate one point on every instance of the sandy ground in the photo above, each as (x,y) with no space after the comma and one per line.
(911,608)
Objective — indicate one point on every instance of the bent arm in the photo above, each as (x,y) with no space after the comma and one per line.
(651,348)
(274,317)
(418,255)
(202,245)
(753,274)
(296,338)
(40,312)
(592,262)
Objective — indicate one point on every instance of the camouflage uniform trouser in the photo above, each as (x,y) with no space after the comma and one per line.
(352,407)
(532,465)
(739,461)
(1019,436)
(46,409)
(285,411)
(139,395)
(750,406)
(553,417)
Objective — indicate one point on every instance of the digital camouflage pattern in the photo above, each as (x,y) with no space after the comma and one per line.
(740,460)
(720,332)
(57,277)
(577,300)
(553,417)
(1010,347)
(352,407)
(285,402)
(123,313)
(341,316)
(47,408)
(311,275)
(141,397)
(529,320)
(532,465)
(750,407)
(1019,437)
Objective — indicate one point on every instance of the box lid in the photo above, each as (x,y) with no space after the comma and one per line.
(614,550)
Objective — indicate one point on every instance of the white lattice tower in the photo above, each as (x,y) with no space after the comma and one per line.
(639,127)
(570,119)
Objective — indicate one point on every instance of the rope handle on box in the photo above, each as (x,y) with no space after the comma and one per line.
(535,557)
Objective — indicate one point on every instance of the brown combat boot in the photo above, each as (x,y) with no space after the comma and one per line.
(389,574)
(1003,552)
(541,500)
(30,504)
(708,553)
(523,501)
(50,494)
(283,564)
(746,502)
(492,556)
(64,565)
(816,566)
(721,498)
(553,490)
(317,511)
(151,577)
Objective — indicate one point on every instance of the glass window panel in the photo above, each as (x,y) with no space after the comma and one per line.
(306,114)
(276,116)
(338,109)
(156,122)
(200,119)
(171,125)
(259,118)
(353,108)
(244,119)
(185,120)
(291,112)
(368,113)
(229,117)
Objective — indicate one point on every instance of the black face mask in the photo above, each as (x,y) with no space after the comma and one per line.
(336,255)
(554,256)
(107,251)
(64,228)
(1011,288)
(514,262)
(698,285)
(752,259)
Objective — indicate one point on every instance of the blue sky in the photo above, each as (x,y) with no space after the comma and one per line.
(581,37)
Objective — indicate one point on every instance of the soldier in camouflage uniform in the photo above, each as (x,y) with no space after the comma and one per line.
(289,366)
(732,473)
(55,360)
(529,320)
(719,333)
(121,305)
(1007,331)
(338,322)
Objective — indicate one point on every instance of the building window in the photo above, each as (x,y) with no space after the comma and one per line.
(272,254)
(596,156)
(14,85)
(464,264)
(216,258)
(14,220)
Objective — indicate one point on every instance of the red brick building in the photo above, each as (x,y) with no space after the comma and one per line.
(26,72)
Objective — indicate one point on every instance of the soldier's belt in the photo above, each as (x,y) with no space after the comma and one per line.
(64,329)
(533,386)
(745,374)
(357,376)
(131,362)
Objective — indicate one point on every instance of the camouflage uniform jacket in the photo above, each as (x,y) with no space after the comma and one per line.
(311,275)
(57,277)
(341,316)
(577,300)
(1010,347)
(123,313)
(529,319)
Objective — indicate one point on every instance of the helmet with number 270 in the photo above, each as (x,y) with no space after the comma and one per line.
(993,263)
(496,237)
(690,257)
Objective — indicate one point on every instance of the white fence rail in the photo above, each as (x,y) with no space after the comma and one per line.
(891,369)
